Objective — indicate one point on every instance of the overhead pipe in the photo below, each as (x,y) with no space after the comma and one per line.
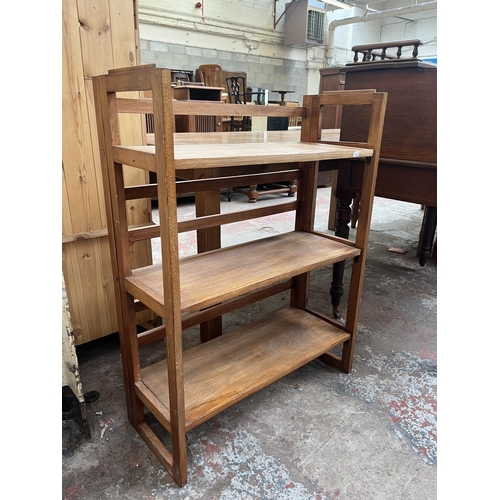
(370,16)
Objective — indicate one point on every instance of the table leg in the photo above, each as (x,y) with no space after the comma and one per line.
(427,233)
(343,217)
(208,203)
(332,216)
(355,210)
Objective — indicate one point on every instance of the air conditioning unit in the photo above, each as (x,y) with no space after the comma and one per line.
(305,23)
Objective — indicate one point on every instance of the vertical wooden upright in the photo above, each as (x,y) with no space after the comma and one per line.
(97,36)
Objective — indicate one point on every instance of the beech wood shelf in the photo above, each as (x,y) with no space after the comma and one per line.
(219,373)
(213,277)
(190,386)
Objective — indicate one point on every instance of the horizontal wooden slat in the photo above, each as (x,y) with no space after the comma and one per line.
(242,180)
(208,108)
(122,81)
(143,233)
(190,320)
(220,309)
(156,407)
(346,97)
(144,191)
(151,335)
(222,372)
(153,231)
(135,156)
(334,238)
(144,105)
(220,219)
(216,276)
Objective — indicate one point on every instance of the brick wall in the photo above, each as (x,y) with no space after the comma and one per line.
(273,73)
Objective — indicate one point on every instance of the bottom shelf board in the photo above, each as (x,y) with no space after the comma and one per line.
(227,369)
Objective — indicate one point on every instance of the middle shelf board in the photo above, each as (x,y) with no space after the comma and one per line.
(229,368)
(220,275)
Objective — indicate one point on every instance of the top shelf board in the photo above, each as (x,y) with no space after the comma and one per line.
(196,156)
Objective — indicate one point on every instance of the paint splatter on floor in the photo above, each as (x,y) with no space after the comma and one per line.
(239,462)
(404,386)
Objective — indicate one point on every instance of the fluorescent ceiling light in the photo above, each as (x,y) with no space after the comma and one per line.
(337,3)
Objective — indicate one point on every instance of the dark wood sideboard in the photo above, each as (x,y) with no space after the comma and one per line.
(408,159)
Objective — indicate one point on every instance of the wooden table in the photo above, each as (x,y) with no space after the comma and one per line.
(283,93)
(408,157)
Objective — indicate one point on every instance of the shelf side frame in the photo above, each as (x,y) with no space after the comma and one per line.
(377,102)
(106,88)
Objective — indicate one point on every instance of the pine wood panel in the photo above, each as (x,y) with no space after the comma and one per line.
(219,373)
(85,211)
(97,36)
(91,291)
(84,263)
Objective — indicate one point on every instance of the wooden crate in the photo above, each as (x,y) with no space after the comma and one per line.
(97,36)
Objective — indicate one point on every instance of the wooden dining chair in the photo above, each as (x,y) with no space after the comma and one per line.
(210,75)
(239,93)
(236,90)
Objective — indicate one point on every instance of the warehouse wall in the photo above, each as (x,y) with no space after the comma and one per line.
(237,34)
(240,36)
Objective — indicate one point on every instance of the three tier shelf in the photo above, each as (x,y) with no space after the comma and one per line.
(190,386)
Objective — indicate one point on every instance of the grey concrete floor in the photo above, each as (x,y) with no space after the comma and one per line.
(316,434)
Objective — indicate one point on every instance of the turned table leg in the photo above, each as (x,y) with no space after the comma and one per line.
(252,193)
(427,233)
(355,210)
(343,217)
(293,188)
(208,203)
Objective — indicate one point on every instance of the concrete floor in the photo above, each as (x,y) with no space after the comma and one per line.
(317,433)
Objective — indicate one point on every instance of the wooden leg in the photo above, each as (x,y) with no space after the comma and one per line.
(252,193)
(130,359)
(355,210)
(342,219)
(332,216)
(208,203)
(342,230)
(177,424)
(427,233)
